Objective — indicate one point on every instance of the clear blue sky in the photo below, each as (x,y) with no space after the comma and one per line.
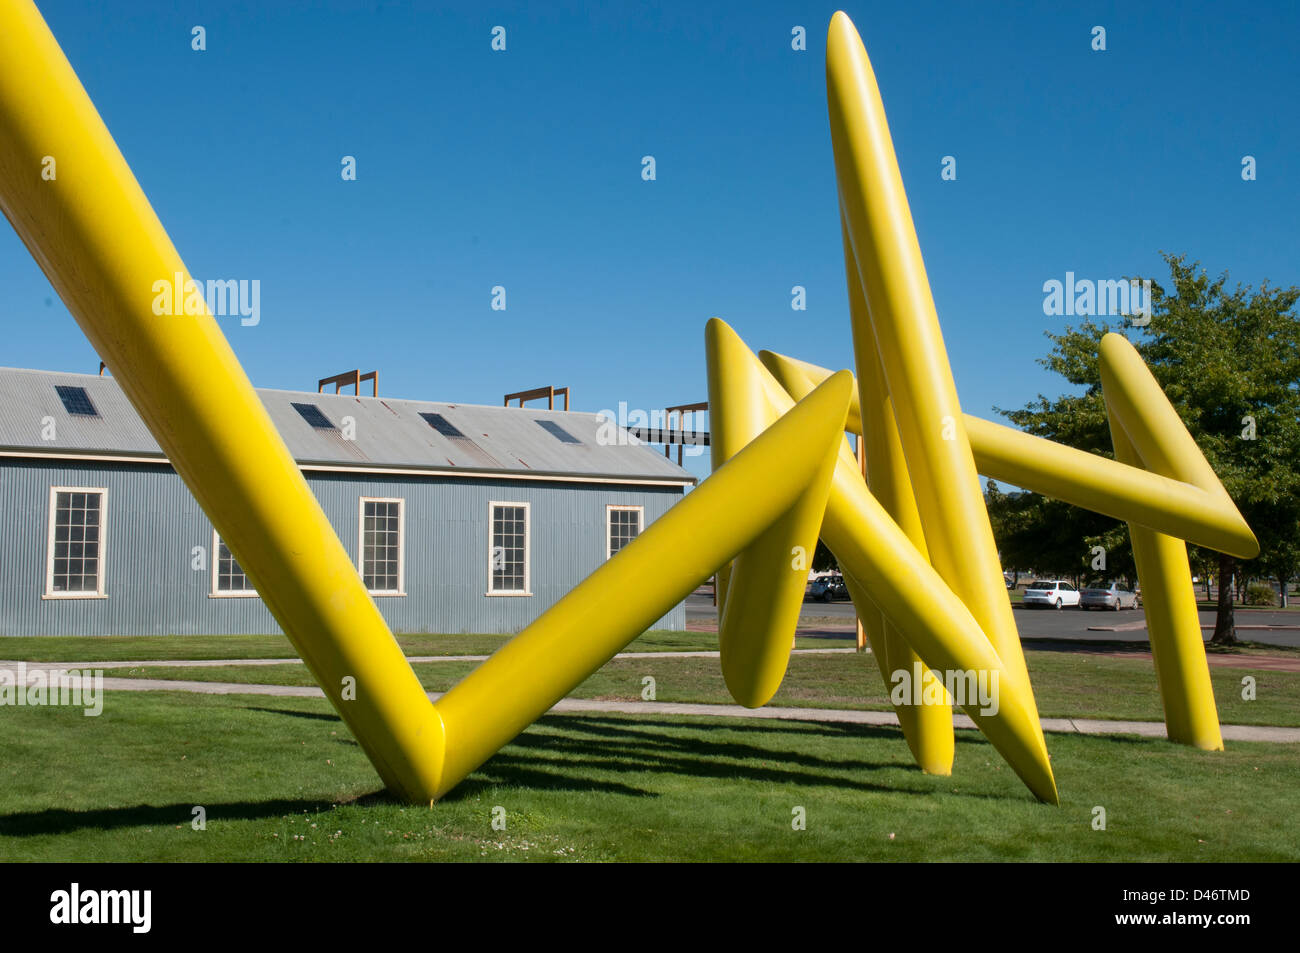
(478,168)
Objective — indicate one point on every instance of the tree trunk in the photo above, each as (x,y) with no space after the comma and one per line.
(1281,583)
(1225,631)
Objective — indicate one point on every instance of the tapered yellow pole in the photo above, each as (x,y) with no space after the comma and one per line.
(767,583)
(97,239)
(905,330)
(1145,428)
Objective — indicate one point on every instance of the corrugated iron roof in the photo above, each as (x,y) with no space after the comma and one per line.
(388,433)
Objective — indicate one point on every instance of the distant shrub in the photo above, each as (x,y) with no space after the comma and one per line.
(1259,594)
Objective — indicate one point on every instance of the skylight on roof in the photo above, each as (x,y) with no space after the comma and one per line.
(444,426)
(558,432)
(76,401)
(312,414)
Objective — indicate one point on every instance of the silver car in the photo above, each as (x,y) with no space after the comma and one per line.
(1112,597)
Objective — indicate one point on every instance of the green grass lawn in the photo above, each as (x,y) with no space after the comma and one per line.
(1252,648)
(281,779)
(115,648)
(1066,685)
(1213,604)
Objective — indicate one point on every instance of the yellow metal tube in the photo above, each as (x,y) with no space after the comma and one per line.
(98,241)
(1173,628)
(901,321)
(768,579)
(1145,428)
(1112,487)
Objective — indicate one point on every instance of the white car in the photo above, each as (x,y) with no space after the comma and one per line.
(1051,592)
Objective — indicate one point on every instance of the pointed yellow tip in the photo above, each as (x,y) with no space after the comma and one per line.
(840,383)
(717,331)
(841,29)
(1049,794)
(1110,341)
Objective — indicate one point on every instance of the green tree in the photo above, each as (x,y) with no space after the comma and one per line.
(1279,554)
(1229,361)
(1039,535)
(823,559)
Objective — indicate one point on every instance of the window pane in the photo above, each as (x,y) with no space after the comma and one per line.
(230,577)
(381,545)
(624,526)
(509,549)
(75,556)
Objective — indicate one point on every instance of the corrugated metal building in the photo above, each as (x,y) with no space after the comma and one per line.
(460,518)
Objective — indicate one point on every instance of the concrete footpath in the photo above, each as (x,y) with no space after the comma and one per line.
(1084,726)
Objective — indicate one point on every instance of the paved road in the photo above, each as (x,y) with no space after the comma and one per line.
(1071,624)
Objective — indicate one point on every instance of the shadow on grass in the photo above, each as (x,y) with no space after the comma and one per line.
(57,821)
(580,745)
(294,713)
(1088,647)
(642,735)
(829,635)
(566,753)
(769,726)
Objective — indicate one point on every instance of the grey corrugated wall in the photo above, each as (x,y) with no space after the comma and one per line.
(153,524)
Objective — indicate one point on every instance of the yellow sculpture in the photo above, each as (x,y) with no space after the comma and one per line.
(916,547)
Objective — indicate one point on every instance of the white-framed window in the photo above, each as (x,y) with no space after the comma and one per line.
(622,525)
(78,534)
(228,578)
(508,563)
(381,544)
